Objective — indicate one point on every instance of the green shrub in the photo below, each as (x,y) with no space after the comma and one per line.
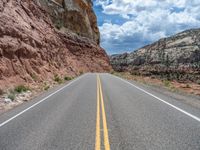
(46,87)
(198,82)
(167,83)
(21,88)
(57,79)
(66,78)
(11,96)
(34,77)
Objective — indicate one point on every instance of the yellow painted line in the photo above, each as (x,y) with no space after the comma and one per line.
(98,133)
(105,127)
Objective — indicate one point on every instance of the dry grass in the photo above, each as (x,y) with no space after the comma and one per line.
(188,87)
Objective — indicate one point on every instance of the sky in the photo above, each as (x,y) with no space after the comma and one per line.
(126,25)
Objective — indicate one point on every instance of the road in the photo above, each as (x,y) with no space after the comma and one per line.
(101,111)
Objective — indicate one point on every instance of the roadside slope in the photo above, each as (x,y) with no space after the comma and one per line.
(32,50)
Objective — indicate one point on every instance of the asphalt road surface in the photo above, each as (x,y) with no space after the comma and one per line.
(101,111)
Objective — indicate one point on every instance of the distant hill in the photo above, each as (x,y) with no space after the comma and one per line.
(175,57)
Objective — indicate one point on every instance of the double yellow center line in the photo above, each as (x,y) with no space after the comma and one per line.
(100,103)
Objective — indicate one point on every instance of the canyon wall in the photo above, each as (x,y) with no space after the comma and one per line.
(38,40)
(76,16)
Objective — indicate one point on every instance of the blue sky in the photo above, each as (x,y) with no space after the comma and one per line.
(127,25)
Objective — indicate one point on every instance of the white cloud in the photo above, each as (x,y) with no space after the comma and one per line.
(149,19)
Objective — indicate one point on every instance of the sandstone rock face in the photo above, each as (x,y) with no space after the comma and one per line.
(179,55)
(33,50)
(73,15)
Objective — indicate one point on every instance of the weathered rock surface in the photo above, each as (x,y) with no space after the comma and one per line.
(73,15)
(176,57)
(33,50)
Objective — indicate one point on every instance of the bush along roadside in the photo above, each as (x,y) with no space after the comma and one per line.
(58,79)
(23,92)
(21,88)
(20,92)
(66,78)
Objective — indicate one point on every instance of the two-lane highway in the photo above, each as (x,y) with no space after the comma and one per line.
(101,111)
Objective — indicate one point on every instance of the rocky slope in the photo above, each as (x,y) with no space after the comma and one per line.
(176,57)
(32,50)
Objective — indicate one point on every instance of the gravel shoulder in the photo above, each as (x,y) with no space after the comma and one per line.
(193,100)
(182,92)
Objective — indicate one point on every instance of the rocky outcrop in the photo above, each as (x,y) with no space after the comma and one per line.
(176,57)
(73,15)
(33,50)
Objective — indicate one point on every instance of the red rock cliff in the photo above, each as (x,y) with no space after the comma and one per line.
(33,50)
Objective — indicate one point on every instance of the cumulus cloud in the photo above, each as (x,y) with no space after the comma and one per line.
(146,21)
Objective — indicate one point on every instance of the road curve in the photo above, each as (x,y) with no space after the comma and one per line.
(101,111)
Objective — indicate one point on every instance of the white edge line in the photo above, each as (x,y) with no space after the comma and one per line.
(19,114)
(175,107)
